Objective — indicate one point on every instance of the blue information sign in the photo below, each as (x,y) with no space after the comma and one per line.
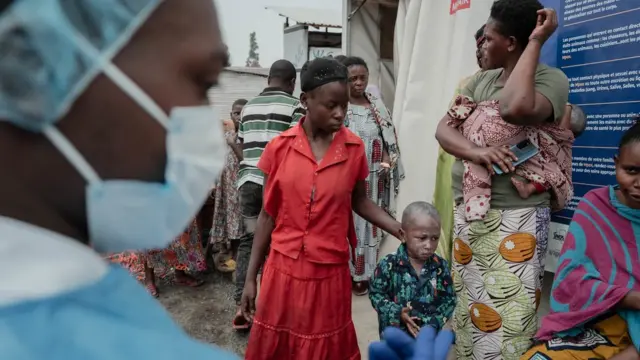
(597,45)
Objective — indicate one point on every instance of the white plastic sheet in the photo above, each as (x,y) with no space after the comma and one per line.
(364,39)
(434,51)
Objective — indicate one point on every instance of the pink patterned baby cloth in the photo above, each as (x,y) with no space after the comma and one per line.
(482,124)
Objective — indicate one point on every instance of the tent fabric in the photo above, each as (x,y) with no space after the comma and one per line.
(435,50)
(363,37)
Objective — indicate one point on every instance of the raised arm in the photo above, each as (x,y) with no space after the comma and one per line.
(526,100)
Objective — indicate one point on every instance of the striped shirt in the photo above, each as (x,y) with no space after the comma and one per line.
(263,118)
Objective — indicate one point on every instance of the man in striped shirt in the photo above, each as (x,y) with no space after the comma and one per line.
(263,118)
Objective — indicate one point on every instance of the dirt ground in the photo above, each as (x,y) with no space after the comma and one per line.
(206,312)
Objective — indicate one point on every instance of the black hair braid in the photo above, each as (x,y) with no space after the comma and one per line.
(516,18)
(322,71)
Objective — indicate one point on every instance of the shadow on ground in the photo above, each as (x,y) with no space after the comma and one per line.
(206,312)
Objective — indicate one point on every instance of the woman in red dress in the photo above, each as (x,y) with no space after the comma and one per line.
(314,179)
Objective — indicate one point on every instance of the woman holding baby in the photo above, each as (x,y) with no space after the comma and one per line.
(502,208)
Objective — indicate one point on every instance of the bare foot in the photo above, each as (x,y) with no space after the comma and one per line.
(525,190)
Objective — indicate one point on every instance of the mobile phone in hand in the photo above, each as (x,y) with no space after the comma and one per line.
(524,150)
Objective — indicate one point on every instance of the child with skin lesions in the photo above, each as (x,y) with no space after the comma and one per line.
(412,288)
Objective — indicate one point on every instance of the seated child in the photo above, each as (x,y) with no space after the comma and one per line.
(575,120)
(412,287)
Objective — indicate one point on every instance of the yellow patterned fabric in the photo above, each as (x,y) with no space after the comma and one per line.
(601,340)
(497,275)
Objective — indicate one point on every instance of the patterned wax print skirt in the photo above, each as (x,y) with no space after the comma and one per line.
(498,265)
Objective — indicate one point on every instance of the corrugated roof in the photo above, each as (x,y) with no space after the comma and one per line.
(264,72)
(310,16)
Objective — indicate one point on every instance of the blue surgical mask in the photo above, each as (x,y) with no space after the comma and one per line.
(137,215)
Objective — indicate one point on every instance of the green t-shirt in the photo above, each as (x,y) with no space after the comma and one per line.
(553,84)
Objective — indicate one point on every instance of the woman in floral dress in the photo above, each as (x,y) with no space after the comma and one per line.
(184,255)
(227,221)
(369,118)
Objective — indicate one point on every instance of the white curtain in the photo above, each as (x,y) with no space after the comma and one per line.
(363,37)
(434,51)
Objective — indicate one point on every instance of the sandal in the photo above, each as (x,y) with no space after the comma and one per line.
(228,266)
(152,289)
(239,322)
(360,288)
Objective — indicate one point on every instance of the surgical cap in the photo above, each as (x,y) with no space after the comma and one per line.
(51,50)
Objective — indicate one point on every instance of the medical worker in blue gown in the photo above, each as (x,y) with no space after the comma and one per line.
(428,345)
(106,142)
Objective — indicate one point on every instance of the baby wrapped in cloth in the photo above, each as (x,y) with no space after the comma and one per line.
(482,124)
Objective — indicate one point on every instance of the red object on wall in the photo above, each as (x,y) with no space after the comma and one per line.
(459,5)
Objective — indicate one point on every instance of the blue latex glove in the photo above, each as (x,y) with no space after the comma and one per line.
(398,345)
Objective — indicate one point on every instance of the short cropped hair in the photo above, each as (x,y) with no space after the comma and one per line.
(419,208)
(321,71)
(241,102)
(516,18)
(283,70)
